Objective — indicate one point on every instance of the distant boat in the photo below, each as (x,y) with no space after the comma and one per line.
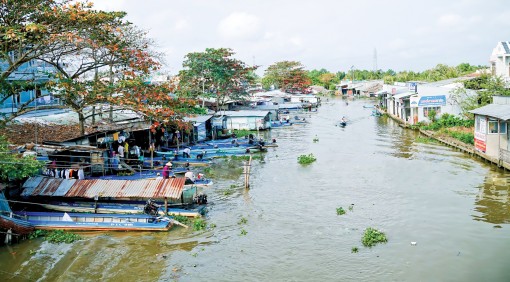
(368,106)
(96,222)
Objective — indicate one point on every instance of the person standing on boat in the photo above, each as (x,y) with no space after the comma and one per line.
(120,150)
(201,155)
(186,152)
(166,170)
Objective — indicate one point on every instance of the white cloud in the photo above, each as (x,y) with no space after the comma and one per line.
(449,20)
(239,25)
(181,25)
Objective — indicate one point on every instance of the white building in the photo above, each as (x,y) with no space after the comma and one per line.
(500,60)
(248,120)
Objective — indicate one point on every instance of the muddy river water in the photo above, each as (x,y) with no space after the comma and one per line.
(285,228)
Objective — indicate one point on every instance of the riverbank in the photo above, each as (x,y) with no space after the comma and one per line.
(454,143)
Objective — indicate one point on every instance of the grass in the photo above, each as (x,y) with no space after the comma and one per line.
(306,159)
(425,140)
(372,236)
(351,207)
(244,232)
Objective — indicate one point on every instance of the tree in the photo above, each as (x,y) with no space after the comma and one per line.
(214,73)
(328,79)
(289,76)
(15,166)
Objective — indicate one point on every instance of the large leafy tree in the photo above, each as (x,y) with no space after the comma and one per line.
(215,73)
(15,166)
(289,76)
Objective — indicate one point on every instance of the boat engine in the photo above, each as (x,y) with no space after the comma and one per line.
(151,208)
(200,199)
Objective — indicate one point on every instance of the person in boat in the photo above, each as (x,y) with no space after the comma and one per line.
(343,121)
(201,155)
(166,170)
(251,139)
(190,176)
(186,152)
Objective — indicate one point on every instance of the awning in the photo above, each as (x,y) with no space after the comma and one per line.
(402,95)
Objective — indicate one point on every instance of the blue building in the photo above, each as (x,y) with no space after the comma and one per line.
(37,71)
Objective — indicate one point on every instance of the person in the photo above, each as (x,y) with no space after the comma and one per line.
(166,170)
(120,150)
(126,149)
(81,173)
(201,155)
(53,168)
(136,151)
(189,175)
(158,176)
(186,152)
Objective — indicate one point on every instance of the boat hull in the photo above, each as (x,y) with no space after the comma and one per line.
(18,226)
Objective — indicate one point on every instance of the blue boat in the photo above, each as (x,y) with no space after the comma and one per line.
(116,208)
(18,225)
(96,222)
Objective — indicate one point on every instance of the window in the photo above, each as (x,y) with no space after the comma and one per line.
(502,128)
(426,111)
(493,126)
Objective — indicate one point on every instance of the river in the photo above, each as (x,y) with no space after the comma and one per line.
(285,227)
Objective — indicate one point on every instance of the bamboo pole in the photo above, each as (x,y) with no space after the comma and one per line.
(247,168)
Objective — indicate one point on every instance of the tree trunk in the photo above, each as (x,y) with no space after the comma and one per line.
(93,115)
(81,119)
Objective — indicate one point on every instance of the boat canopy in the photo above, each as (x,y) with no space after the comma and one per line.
(90,188)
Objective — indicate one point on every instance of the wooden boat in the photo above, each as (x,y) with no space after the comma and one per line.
(115,208)
(17,225)
(203,182)
(96,222)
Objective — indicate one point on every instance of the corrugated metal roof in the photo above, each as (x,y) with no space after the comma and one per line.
(501,112)
(143,188)
(246,113)
(199,119)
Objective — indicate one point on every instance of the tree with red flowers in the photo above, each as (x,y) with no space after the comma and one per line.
(289,76)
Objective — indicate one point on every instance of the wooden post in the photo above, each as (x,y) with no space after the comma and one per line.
(247,168)
(166,206)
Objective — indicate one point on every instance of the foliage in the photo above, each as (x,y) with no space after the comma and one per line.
(432,115)
(421,139)
(466,137)
(199,224)
(14,166)
(446,121)
(373,236)
(354,250)
(340,211)
(243,132)
(244,232)
(289,76)
(56,236)
(182,219)
(215,73)
(243,220)
(351,207)
(306,159)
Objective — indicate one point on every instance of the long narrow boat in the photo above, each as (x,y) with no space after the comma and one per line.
(17,225)
(114,208)
(96,222)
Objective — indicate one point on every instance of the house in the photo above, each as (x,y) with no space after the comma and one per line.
(202,127)
(248,120)
(491,129)
(500,60)
(412,102)
(35,71)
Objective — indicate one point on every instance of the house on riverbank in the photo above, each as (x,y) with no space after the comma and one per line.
(491,129)
(500,60)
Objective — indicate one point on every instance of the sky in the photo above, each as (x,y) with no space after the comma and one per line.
(324,34)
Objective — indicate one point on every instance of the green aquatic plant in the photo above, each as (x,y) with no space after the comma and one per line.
(421,139)
(354,250)
(351,207)
(244,232)
(182,219)
(340,211)
(372,236)
(243,220)
(61,236)
(199,224)
(306,159)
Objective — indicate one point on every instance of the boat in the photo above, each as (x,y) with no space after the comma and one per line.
(96,222)
(368,106)
(19,226)
(202,182)
(116,208)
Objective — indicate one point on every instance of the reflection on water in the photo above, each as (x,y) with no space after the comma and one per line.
(493,200)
